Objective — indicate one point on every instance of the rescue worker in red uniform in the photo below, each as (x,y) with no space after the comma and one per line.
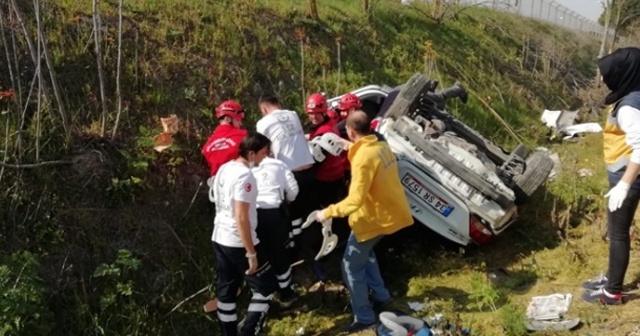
(223,144)
(329,173)
(347,104)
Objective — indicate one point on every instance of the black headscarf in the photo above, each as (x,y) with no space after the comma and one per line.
(620,72)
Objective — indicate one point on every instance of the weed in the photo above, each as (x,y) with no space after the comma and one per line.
(513,321)
(482,294)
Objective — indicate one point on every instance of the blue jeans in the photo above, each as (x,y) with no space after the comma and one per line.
(360,273)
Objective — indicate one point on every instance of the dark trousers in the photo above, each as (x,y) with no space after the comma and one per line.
(328,193)
(273,231)
(618,226)
(302,206)
(232,264)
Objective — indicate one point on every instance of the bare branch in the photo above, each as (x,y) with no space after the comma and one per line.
(37,61)
(36,6)
(35,165)
(188,298)
(97,29)
(9,63)
(118,71)
(6,144)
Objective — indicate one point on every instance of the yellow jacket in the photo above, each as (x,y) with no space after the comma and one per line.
(376,204)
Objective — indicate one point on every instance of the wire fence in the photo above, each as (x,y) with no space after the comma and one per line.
(544,10)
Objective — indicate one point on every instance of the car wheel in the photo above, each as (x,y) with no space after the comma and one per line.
(522,151)
(409,93)
(539,166)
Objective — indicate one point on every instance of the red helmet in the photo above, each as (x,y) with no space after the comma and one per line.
(231,109)
(316,103)
(348,101)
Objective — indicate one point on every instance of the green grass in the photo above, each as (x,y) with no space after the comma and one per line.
(184,57)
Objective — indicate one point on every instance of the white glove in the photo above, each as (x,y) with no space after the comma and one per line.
(320,216)
(617,195)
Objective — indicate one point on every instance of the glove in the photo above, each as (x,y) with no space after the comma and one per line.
(617,195)
(253,264)
(320,216)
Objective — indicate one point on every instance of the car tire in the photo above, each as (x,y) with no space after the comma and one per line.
(409,93)
(522,151)
(539,166)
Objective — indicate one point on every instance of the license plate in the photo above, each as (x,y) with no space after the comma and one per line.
(427,195)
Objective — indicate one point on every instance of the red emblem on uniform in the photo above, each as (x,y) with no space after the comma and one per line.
(247,187)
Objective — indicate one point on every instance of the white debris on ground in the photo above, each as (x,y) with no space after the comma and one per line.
(584,172)
(549,307)
(562,121)
(416,306)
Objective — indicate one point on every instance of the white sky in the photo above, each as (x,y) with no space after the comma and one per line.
(591,9)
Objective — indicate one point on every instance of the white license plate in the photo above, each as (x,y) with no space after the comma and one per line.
(426,195)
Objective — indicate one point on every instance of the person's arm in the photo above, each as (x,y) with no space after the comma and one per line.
(363,171)
(242,195)
(260,128)
(629,121)
(291,185)
(241,211)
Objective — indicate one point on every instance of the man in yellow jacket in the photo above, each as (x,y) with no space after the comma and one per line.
(376,206)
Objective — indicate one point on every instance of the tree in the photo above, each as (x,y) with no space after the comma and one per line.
(313,9)
(606,4)
(627,12)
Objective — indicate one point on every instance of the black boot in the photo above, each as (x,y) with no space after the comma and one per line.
(455,91)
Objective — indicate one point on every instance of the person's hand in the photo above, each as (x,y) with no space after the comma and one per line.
(617,195)
(345,144)
(320,216)
(253,263)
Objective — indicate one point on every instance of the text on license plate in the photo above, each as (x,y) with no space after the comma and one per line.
(426,195)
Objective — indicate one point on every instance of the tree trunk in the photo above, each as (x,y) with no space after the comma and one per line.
(619,5)
(97,40)
(118,71)
(36,6)
(605,35)
(313,9)
(365,6)
(436,9)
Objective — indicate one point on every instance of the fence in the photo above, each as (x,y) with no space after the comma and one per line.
(545,10)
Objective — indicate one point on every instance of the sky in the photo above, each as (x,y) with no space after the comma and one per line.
(591,9)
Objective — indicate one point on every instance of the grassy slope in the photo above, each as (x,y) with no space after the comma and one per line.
(185,56)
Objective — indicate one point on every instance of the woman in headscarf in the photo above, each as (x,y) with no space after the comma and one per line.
(621,73)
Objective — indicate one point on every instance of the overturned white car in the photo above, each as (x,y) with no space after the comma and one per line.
(458,183)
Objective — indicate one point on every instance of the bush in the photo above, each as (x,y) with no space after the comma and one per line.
(22,305)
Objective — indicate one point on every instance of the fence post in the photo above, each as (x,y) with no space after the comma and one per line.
(549,12)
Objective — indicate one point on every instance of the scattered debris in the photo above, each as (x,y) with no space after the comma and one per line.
(549,307)
(416,306)
(562,121)
(584,172)
(548,312)
(164,140)
(535,325)
(300,331)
